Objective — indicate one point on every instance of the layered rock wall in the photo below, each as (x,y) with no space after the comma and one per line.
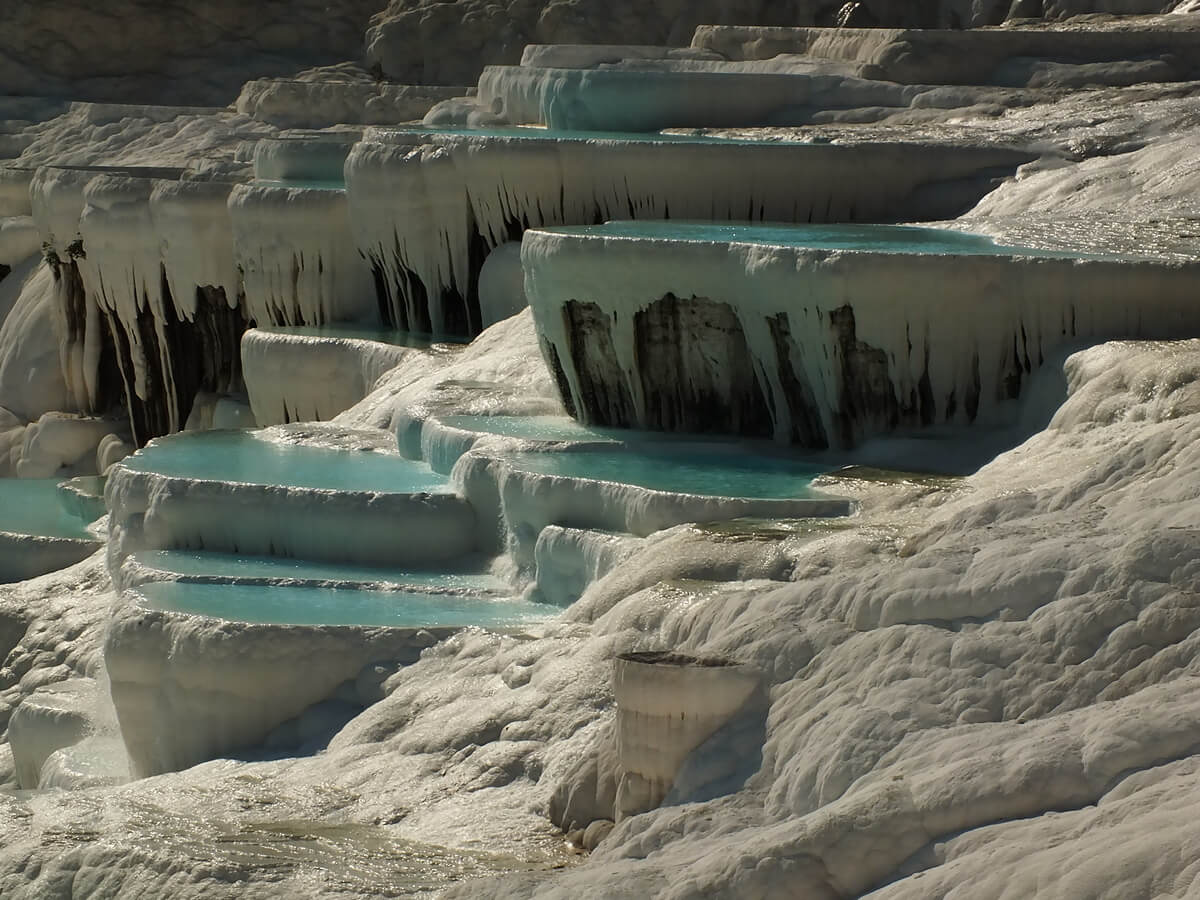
(167,51)
(449,43)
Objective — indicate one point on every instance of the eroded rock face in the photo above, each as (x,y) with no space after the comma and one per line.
(702,345)
(194,53)
(449,43)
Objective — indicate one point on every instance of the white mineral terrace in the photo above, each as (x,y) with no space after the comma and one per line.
(642,98)
(238,493)
(652,325)
(409,238)
(41,530)
(981,56)
(296,251)
(525,502)
(306,374)
(307,104)
(427,209)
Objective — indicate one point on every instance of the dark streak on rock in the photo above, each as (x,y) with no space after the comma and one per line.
(202,355)
(807,428)
(971,401)
(867,401)
(73,306)
(550,353)
(696,370)
(1010,380)
(605,398)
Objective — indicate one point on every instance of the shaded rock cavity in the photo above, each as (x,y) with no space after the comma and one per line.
(181,358)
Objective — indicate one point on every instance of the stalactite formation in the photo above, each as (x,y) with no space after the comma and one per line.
(816,347)
(428,209)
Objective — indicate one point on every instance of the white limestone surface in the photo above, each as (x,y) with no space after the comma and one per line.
(519,504)
(190,688)
(56,202)
(219,411)
(956,334)
(642,97)
(898,751)
(56,195)
(1044,700)
(425,210)
(496,374)
(297,256)
(501,284)
(305,156)
(25,556)
(149,510)
(588,56)
(1000,672)
(568,560)
(123,270)
(1160,48)
(99,760)
(31,377)
(191,220)
(48,720)
(667,706)
(63,442)
(153,245)
(301,377)
(316,104)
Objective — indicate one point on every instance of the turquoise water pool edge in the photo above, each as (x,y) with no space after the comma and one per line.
(230,566)
(246,458)
(679,470)
(892,239)
(321,606)
(33,506)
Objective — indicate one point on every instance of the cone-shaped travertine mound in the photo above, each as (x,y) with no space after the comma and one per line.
(668,704)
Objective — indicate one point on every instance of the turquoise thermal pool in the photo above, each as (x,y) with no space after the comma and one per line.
(230,567)
(244,457)
(33,506)
(537,428)
(684,470)
(300,605)
(539,133)
(862,238)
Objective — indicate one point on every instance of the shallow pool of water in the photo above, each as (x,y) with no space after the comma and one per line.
(541,428)
(684,470)
(83,497)
(32,506)
(300,605)
(245,457)
(867,238)
(539,133)
(234,566)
